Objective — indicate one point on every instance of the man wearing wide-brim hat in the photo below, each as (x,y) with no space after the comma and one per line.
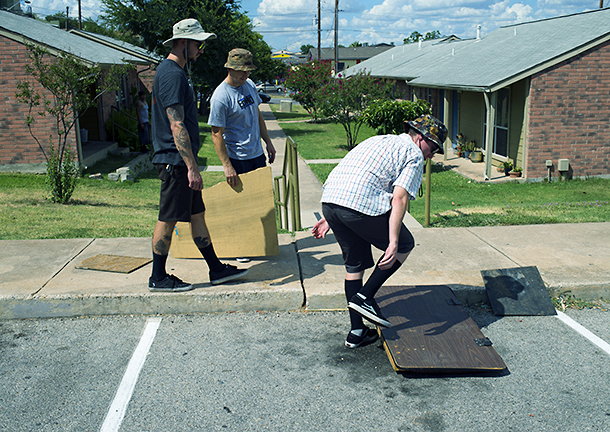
(175,131)
(236,121)
(364,202)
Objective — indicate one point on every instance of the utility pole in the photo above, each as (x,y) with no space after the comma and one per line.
(67,18)
(80,18)
(336,37)
(319,30)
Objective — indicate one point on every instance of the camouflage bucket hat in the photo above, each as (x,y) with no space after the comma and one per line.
(240,59)
(432,128)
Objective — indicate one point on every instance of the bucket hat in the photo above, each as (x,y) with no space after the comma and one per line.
(240,59)
(432,128)
(189,29)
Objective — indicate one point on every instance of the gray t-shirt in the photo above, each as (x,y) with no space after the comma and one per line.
(171,87)
(236,110)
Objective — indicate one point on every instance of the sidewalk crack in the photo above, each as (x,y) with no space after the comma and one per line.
(63,267)
(494,248)
(296,250)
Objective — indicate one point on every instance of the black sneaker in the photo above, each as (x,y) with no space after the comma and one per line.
(369,336)
(169,283)
(228,273)
(368,309)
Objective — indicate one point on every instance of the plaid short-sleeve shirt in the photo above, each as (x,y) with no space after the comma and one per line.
(364,180)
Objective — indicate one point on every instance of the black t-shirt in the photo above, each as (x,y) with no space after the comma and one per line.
(171,87)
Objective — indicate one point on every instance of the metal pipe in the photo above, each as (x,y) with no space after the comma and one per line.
(428,185)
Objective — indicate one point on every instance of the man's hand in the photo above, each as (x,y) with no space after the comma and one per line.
(271,152)
(231,175)
(389,258)
(320,229)
(195,180)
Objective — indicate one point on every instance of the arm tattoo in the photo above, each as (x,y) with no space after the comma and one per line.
(175,113)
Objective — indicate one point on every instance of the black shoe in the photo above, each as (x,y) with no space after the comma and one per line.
(369,336)
(368,309)
(228,273)
(169,283)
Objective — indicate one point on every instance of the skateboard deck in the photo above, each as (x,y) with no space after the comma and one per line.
(432,332)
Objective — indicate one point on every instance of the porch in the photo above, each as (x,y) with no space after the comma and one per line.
(474,171)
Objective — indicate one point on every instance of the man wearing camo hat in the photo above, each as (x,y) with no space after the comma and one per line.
(364,202)
(175,131)
(236,121)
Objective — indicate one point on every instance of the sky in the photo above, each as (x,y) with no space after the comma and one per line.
(289,24)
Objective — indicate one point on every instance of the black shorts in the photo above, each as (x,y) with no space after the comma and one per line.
(356,232)
(247,165)
(177,201)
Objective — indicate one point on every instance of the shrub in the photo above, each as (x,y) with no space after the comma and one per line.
(388,116)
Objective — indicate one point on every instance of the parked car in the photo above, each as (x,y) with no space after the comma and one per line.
(264,97)
(268,87)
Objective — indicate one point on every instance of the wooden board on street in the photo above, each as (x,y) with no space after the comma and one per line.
(432,332)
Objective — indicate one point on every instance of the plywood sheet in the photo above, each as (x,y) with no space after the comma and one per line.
(113,263)
(517,291)
(432,332)
(241,220)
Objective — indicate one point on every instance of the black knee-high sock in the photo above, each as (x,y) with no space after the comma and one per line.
(210,257)
(377,278)
(158,267)
(351,289)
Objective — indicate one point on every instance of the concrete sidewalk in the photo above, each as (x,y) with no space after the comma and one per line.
(39,278)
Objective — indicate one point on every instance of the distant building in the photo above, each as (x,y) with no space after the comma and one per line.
(350,56)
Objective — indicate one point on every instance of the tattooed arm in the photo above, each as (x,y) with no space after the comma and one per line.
(175,113)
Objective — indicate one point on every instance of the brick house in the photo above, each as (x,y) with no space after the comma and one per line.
(18,150)
(537,91)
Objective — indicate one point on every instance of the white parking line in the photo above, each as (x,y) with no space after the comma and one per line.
(583,331)
(115,415)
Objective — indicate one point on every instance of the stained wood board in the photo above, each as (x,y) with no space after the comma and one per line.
(432,332)
(113,263)
(517,291)
(241,219)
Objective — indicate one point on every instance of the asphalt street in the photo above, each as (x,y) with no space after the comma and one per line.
(290,371)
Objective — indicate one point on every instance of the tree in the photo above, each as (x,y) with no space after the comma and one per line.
(305,79)
(305,48)
(389,116)
(70,83)
(415,36)
(152,21)
(355,44)
(343,100)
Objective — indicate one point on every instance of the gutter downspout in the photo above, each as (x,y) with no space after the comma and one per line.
(490,106)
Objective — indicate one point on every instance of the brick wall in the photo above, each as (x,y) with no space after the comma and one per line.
(17,146)
(569,114)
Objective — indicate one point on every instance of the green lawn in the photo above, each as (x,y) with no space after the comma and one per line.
(458,202)
(98,208)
